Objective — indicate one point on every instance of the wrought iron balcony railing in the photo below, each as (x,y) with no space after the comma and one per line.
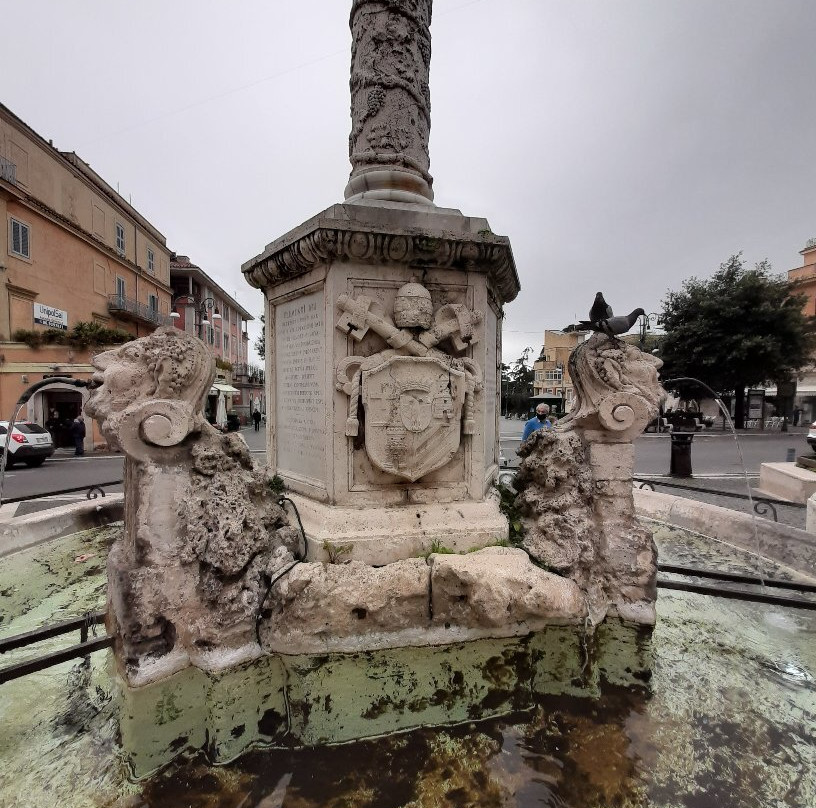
(125,306)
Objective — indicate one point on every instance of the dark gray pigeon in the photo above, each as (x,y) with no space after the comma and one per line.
(600,310)
(615,326)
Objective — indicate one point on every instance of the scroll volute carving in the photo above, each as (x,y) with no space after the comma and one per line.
(617,391)
(149,393)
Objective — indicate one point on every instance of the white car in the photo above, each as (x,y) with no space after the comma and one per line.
(29,443)
(811,436)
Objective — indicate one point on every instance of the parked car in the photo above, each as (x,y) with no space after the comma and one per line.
(811,436)
(29,443)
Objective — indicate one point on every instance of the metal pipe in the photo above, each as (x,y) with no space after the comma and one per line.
(731,576)
(49,660)
(53,630)
(736,594)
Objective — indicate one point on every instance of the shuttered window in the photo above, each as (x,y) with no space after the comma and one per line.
(20,239)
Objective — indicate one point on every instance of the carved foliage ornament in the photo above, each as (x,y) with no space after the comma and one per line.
(390,98)
(418,399)
(491,255)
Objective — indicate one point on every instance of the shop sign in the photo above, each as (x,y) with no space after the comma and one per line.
(51,317)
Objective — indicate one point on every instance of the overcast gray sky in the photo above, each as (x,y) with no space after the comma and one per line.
(622,145)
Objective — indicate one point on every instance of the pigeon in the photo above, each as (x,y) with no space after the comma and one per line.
(600,310)
(614,326)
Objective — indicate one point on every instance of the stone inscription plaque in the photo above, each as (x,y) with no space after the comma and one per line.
(300,411)
(491,373)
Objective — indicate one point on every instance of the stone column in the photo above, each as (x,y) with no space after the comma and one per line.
(390,101)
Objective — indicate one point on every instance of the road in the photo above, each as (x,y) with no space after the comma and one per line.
(713,454)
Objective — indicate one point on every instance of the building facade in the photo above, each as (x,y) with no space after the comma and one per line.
(803,279)
(196,300)
(551,381)
(72,251)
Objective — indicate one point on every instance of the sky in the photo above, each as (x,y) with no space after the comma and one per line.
(621,145)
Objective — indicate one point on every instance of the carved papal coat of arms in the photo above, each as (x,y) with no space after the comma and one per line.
(418,400)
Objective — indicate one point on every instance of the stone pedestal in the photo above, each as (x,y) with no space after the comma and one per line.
(383,337)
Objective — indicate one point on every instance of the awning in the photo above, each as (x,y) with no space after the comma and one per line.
(218,387)
(801,390)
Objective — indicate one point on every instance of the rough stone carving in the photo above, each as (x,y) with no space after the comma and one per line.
(498,586)
(418,400)
(390,100)
(575,482)
(203,530)
(496,592)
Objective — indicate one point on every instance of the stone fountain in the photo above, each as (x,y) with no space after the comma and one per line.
(383,345)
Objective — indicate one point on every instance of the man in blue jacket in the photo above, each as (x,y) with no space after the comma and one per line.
(538,421)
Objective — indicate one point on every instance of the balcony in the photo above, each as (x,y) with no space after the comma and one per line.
(249,374)
(8,171)
(127,309)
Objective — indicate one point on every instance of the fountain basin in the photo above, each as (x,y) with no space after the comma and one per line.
(727,715)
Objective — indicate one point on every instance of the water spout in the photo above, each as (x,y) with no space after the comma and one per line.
(727,418)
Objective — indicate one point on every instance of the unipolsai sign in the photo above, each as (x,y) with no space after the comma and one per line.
(51,317)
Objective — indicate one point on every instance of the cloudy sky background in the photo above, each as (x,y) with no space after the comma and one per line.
(622,145)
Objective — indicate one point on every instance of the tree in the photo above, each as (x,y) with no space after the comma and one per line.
(517,385)
(260,343)
(742,327)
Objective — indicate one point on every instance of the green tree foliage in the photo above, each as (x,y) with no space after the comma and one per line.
(741,327)
(517,385)
(260,343)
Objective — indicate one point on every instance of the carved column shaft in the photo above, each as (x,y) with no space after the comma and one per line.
(390,100)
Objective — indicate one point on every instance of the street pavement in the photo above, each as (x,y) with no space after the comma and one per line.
(720,462)
(716,464)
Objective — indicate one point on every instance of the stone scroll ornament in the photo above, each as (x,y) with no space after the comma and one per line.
(390,100)
(575,482)
(203,530)
(418,400)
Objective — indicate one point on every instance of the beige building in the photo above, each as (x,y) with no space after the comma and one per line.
(551,382)
(803,279)
(72,250)
(197,299)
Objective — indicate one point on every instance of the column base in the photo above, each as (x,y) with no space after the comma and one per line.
(382,535)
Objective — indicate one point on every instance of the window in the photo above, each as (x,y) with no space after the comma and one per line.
(120,239)
(553,375)
(151,266)
(120,287)
(226,344)
(153,304)
(20,239)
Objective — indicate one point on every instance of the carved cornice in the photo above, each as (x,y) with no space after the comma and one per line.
(486,253)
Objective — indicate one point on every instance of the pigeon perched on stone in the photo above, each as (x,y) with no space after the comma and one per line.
(614,326)
(610,325)
(600,310)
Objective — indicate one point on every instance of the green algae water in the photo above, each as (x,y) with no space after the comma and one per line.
(726,720)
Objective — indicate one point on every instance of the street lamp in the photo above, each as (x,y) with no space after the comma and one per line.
(206,305)
(646,321)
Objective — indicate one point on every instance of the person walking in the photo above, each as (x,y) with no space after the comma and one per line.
(256,419)
(78,434)
(538,421)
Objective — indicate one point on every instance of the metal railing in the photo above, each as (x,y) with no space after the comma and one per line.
(762,505)
(251,372)
(8,171)
(120,303)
